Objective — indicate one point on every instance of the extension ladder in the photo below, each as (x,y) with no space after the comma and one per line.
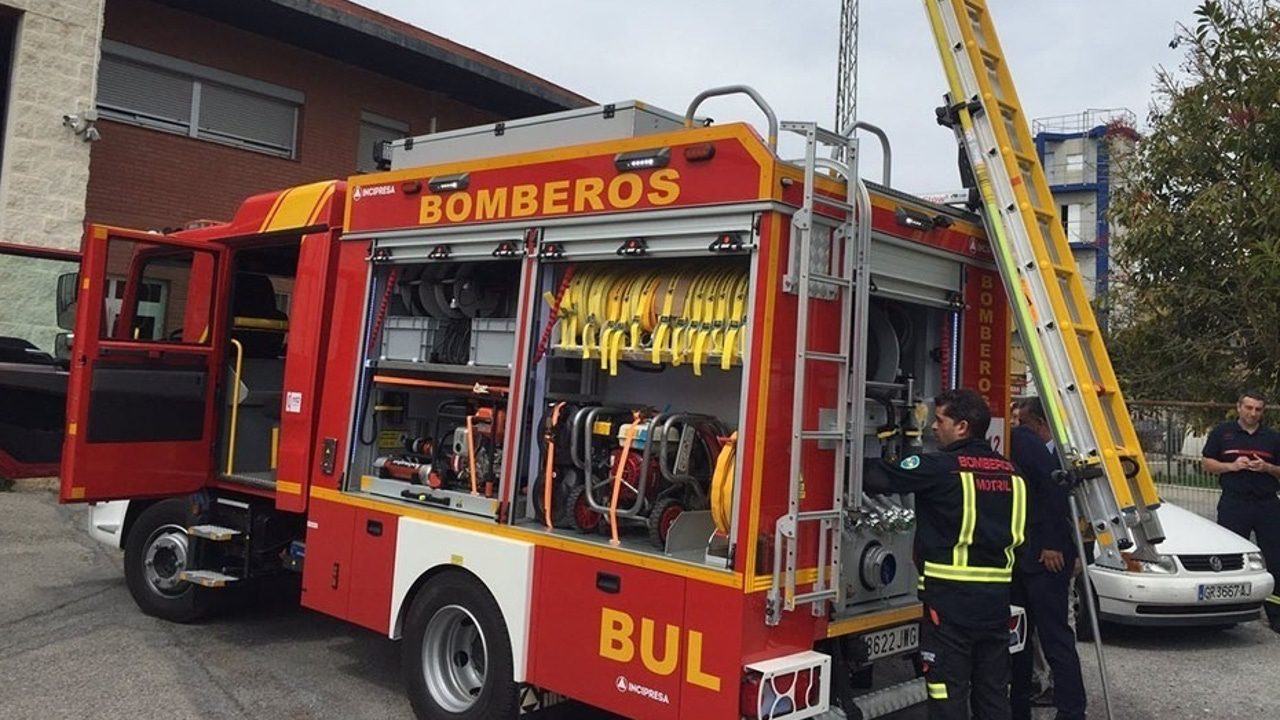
(841,272)
(1092,430)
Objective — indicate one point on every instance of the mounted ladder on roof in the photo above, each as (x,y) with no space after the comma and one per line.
(829,263)
(1091,425)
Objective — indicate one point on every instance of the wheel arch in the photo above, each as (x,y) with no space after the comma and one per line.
(131,515)
(501,565)
(397,624)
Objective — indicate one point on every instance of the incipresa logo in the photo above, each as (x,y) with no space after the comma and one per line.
(372,190)
(626,686)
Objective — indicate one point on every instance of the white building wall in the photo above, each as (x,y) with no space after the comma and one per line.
(46,166)
(45,171)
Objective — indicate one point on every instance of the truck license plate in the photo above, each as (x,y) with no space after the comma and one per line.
(892,641)
(1223,591)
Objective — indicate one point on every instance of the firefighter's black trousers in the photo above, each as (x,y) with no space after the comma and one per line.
(1044,596)
(1261,516)
(965,667)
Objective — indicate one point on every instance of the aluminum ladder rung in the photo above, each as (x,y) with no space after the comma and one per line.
(832,202)
(826,357)
(829,138)
(830,280)
(813,596)
(812,515)
(822,434)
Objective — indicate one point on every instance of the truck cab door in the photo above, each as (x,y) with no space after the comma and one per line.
(144,365)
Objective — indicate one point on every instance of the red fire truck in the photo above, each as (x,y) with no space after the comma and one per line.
(574,406)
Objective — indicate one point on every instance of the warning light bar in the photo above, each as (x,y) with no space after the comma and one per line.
(449,183)
(642,160)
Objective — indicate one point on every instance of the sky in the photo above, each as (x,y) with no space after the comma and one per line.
(1066,56)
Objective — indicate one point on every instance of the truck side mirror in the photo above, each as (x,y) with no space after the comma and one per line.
(62,343)
(68,292)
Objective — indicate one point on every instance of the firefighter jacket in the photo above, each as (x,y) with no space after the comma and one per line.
(971,507)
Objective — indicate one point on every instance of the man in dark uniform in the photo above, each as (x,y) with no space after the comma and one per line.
(970,513)
(1042,575)
(1244,453)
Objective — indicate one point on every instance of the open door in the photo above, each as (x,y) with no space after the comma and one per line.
(140,400)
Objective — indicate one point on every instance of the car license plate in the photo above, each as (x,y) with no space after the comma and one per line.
(1223,591)
(892,641)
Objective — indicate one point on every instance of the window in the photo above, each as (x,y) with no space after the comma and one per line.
(157,293)
(376,129)
(164,93)
(1075,163)
(1072,222)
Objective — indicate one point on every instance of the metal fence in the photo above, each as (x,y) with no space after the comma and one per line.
(1172,434)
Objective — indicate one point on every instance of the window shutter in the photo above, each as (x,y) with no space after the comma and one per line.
(255,119)
(143,92)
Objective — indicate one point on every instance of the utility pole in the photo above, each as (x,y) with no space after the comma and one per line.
(847,68)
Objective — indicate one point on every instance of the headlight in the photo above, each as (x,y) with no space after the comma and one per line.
(1254,561)
(1163,565)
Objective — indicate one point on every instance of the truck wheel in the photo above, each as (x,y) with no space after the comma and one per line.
(457,653)
(155,553)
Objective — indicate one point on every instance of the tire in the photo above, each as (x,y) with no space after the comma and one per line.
(561,511)
(582,517)
(1084,628)
(661,517)
(457,656)
(155,552)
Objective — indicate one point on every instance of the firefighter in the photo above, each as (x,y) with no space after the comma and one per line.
(1245,454)
(970,509)
(1042,576)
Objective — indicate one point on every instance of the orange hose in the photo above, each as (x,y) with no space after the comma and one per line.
(546,476)
(471,453)
(630,432)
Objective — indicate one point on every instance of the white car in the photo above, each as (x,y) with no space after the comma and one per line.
(1206,575)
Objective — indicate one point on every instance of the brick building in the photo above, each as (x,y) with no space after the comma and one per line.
(153,113)
(245,97)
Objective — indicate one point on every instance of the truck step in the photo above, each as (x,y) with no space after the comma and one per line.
(207,578)
(892,699)
(216,533)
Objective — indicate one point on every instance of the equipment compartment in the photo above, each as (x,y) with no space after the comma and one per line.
(638,403)
(433,403)
(445,314)
(435,443)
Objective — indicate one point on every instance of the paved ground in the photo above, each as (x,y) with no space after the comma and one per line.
(72,645)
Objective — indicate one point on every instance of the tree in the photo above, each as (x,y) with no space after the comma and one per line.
(1196,300)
